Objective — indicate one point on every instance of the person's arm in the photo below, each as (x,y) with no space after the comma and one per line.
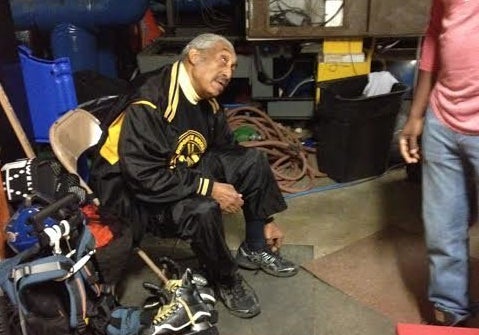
(423,90)
(145,155)
(409,138)
(428,66)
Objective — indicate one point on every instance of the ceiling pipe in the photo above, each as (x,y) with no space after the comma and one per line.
(45,15)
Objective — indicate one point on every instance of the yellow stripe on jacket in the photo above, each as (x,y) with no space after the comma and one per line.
(109,149)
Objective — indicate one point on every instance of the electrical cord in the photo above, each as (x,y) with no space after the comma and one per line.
(301,83)
(265,78)
(209,15)
(383,49)
(279,15)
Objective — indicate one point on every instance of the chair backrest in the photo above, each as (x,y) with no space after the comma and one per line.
(71,135)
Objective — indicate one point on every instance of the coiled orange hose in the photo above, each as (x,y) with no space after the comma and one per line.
(288,157)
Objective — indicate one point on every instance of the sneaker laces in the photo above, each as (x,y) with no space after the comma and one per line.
(271,256)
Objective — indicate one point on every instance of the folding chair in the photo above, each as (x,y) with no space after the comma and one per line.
(70,136)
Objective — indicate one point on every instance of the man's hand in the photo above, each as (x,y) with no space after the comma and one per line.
(225,194)
(274,236)
(408,140)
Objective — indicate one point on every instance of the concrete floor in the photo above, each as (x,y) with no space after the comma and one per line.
(317,224)
(331,220)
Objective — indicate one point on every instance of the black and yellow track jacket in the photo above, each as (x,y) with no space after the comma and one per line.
(148,153)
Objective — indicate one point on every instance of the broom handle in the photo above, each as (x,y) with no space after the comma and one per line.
(16,125)
(151,265)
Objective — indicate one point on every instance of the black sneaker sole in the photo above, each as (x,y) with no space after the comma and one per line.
(245,264)
(243,315)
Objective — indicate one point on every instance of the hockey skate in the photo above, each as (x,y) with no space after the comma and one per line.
(207,294)
(185,314)
(162,295)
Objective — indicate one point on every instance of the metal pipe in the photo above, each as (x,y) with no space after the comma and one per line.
(46,14)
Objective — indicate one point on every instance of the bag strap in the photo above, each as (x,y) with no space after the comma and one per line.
(85,249)
(7,266)
(55,267)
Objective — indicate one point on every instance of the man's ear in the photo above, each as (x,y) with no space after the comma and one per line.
(193,56)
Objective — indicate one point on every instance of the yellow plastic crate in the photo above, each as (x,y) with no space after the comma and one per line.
(343,46)
(330,71)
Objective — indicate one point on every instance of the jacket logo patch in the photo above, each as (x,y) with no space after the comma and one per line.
(191,145)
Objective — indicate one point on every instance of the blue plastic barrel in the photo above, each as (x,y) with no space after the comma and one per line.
(76,43)
(107,60)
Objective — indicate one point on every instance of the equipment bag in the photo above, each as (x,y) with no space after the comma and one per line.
(56,294)
(48,297)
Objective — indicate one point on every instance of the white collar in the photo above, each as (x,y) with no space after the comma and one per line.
(186,86)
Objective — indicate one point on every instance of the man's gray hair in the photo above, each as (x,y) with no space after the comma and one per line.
(204,42)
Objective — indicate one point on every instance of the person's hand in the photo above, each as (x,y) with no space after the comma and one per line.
(409,140)
(229,200)
(274,236)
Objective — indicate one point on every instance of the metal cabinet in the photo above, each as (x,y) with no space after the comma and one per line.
(305,19)
(311,19)
(398,17)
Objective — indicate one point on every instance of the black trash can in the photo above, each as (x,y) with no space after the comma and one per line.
(354,132)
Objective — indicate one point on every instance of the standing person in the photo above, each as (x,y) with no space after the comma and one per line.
(445,110)
(169,161)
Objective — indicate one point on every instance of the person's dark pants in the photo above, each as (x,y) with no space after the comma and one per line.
(248,170)
(199,219)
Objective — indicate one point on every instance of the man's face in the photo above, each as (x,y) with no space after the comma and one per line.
(212,70)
